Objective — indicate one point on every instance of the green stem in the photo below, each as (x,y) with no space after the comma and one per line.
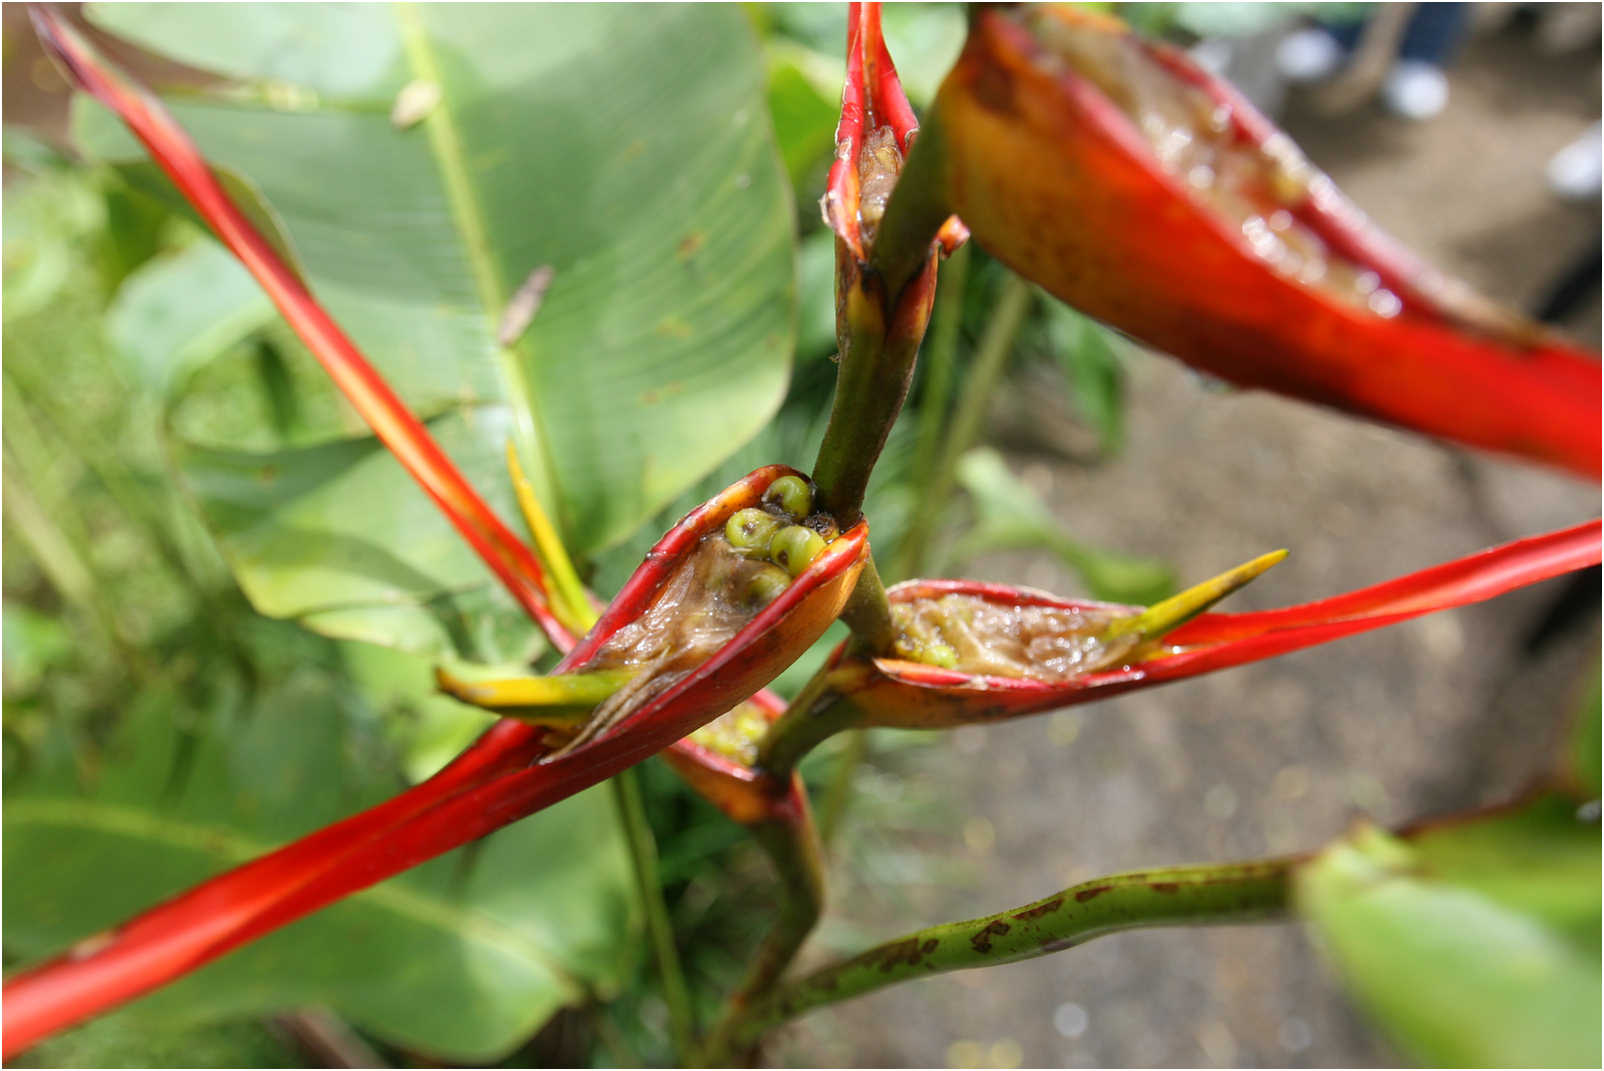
(882,310)
(643,857)
(1007,317)
(1179,896)
(816,714)
(878,347)
(868,610)
(794,849)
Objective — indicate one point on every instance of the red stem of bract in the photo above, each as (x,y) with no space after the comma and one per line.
(389,418)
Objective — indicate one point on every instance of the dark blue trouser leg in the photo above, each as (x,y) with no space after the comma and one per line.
(1434,33)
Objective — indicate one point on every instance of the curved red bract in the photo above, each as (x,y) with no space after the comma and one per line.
(871,96)
(1055,180)
(894,692)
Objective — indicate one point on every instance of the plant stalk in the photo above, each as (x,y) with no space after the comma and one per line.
(1180,896)
(799,862)
(817,713)
(649,887)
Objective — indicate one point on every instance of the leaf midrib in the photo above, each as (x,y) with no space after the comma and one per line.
(445,145)
(214,841)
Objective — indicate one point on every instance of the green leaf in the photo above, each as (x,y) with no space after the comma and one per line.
(337,536)
(179,311)
(625,149)
(117,1043)
(1009,516)
(1474,943)
(803,113)
(462,957)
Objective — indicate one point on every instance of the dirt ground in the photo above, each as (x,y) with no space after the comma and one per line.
(1439,714)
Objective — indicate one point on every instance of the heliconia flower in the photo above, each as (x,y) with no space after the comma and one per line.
(507,556)
(1140,189)
(876,129)
(487,787)
(1060,652)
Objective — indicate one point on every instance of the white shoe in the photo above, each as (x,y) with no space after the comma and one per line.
(1309,55)
(1577,170)
(1415,90)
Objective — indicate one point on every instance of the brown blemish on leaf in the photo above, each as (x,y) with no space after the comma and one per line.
(1165,887)
(930,946)
(658,394)
(673,327)
(1041,909)
(1086,894)
(982,940)
(689,245)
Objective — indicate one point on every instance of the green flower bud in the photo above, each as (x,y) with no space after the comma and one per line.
(795,547)
(791,494)
(751,530)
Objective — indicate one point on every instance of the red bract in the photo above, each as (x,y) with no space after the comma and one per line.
(871,100)
(497,782)
(895,692)
(726,777)
(1144,191)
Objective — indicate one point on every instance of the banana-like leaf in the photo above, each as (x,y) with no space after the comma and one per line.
(434,169)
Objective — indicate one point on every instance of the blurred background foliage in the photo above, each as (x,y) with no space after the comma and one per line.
(159,727)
